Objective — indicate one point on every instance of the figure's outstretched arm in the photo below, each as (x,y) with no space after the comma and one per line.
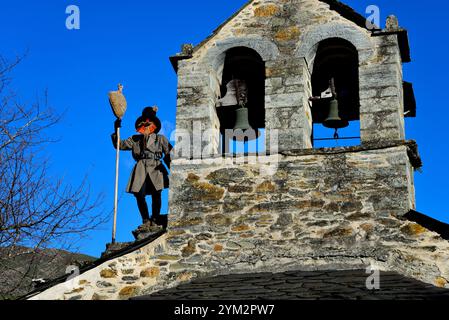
(125,145)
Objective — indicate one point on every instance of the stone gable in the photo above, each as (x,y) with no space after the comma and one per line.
(286,35)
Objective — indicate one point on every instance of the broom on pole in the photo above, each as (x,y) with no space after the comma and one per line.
(118,104)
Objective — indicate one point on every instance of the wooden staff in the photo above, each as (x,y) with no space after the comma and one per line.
(118,104)
(117,165)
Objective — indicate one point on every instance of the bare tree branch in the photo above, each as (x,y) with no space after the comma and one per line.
(37,211)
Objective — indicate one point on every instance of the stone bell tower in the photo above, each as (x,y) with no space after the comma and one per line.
(283,68)
(296,206)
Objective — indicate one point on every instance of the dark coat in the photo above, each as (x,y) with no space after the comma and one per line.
(143,147)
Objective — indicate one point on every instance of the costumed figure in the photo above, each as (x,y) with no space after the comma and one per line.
(149,176)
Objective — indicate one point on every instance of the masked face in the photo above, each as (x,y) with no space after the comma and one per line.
(151,128)
(147,127)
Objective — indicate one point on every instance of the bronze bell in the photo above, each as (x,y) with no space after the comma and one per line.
(241,122)
(334,121)
(242,129)
(237,96)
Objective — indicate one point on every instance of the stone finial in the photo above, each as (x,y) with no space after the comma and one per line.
(392,23)
(187,49)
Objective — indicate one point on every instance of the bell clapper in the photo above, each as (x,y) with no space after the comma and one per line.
(336,136)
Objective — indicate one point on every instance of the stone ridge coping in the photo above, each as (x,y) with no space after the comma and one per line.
(412,150)
(429,223)
(347,12)
(412,146)
(221,26)
(344,10)
(404,43)
(117,254)
(179,56)
(294,285)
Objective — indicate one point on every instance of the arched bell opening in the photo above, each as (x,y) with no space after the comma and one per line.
(241,108)
(335,89)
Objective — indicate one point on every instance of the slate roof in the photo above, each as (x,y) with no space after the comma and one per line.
(300,285)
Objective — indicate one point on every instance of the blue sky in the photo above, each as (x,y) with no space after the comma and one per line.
(130,42)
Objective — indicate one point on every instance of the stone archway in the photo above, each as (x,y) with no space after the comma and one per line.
(309,42)
(215,56)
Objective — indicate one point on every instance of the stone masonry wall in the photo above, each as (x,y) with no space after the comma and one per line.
(336,208)
(328,209)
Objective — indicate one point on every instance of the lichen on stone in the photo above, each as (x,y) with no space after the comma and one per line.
(108,273)
(128,291)
(266,10)
(288,33)
(413,229)
(152,272)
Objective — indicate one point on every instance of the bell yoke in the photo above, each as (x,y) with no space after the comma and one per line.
(149,176)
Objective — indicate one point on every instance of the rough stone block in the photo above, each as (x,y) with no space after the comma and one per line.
(294,99)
